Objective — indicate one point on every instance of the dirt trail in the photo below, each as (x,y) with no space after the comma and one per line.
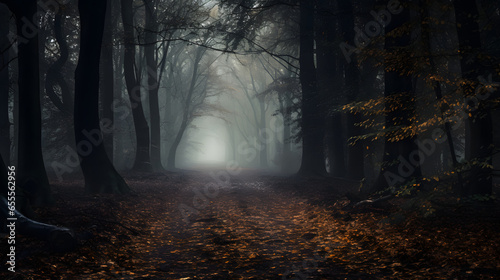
(252,232)
(255,227)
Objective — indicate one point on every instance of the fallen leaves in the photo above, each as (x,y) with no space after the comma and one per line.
(254,232)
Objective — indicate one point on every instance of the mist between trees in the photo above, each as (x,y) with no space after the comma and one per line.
(248,151)
(201,123)
(158,85)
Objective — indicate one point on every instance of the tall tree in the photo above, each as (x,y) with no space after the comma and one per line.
(188,108)
(31,176)
(399,106)
(329,82)
(100,175)
(261,125)
(107,79)
(258,109)
(4,82)
(312,123)
(355,161)
(262,121)
(153,81)
(427,48)
(479,136)
(142,159)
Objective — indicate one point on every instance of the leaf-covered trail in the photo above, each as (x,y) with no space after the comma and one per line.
(247,231)
(255,227)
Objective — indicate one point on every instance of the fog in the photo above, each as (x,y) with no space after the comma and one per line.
(249,139)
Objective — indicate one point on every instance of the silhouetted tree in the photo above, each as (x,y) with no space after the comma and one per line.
(31,177)
(426,8)
(329,82)
(100,175)
(313,117)
(479,136)
(108,79)
(142,159)
(151,34)
(355,162)
(399,106)
(189,106)
(5,16)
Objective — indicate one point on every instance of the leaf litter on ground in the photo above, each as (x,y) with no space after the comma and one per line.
(258,227)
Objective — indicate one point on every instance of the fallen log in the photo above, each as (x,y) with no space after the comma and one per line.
(373,201)
(355,201)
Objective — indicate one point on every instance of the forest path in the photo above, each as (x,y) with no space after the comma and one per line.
(265,227)
(242,230)
(254,227)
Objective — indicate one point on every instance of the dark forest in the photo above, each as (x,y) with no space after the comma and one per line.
(249,139)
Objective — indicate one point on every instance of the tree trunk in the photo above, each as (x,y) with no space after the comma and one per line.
(312,122)
(330,83)
(263,143)
(120,119)
(479,136)
(142,159)
(100,175)
(426,37)
(186,115)
(4,83)
(336,144)
(107,81)
(287,132)
(54,73)
(32,177)
(153,83)
(173,148)
(396,169)
(355,162)
(232,140)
